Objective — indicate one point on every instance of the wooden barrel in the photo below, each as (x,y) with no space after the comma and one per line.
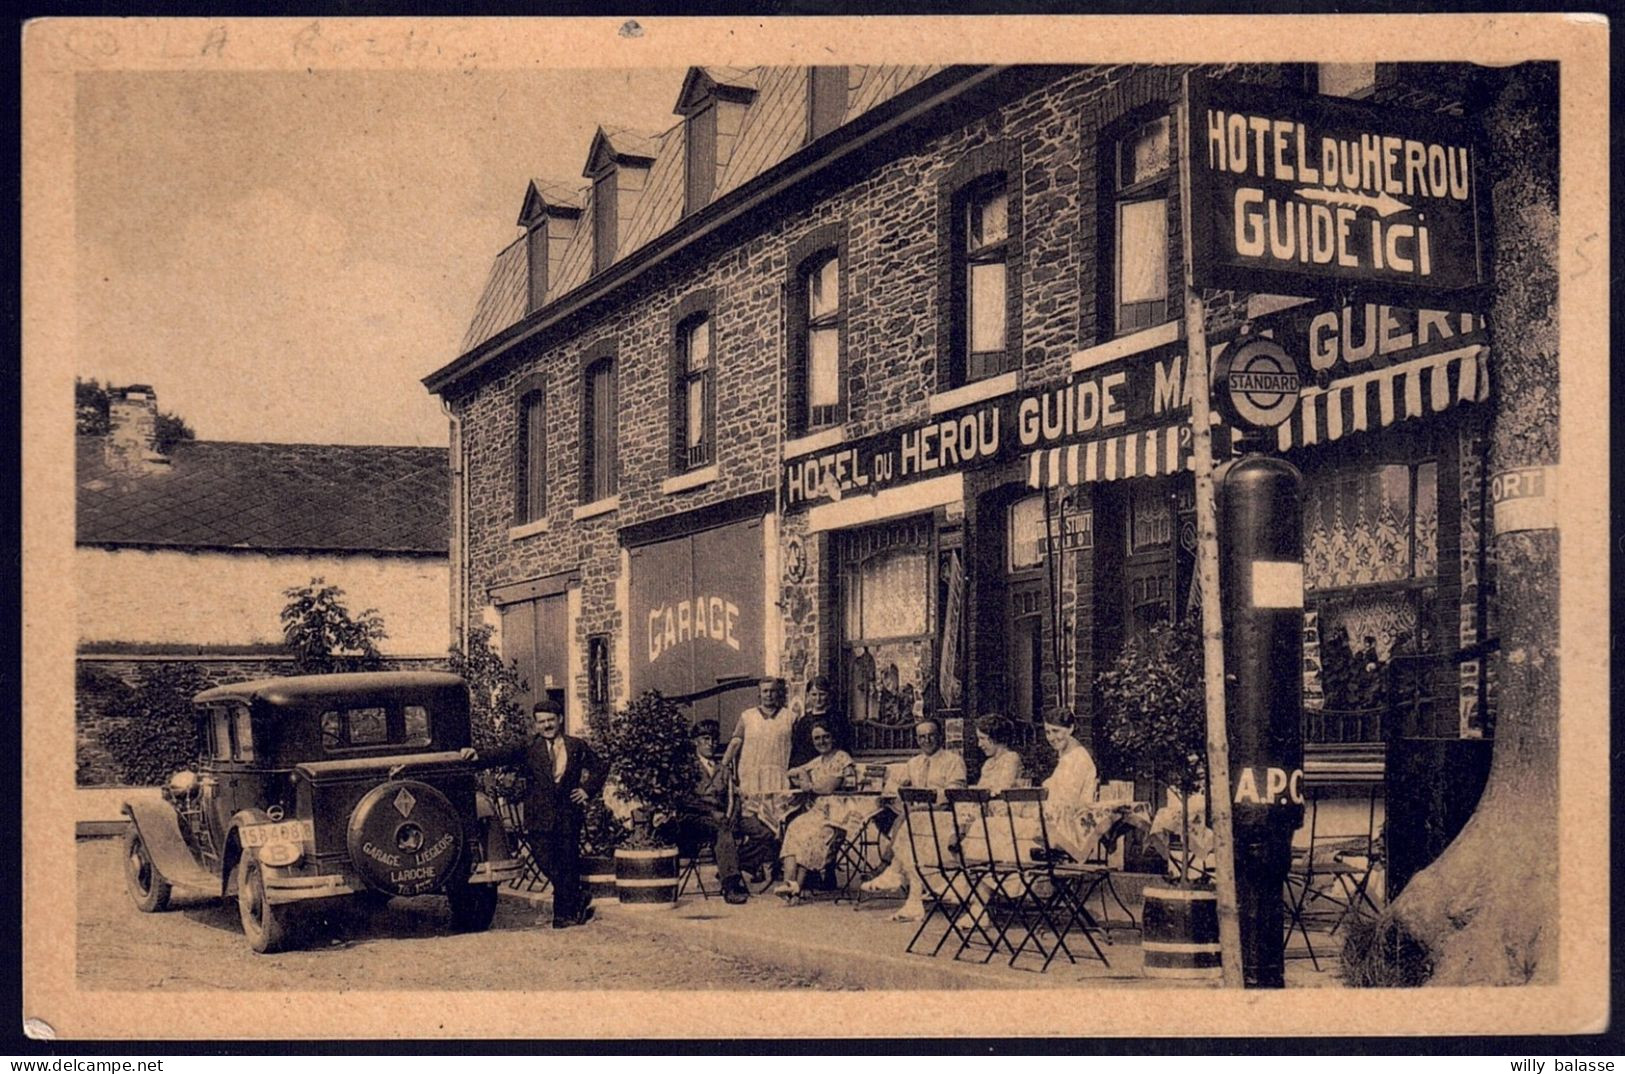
(646,878)
(1180,937)
(598,879)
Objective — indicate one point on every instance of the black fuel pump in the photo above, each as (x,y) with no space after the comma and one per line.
(1261,586)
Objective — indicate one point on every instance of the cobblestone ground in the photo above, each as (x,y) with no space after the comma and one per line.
(198,945)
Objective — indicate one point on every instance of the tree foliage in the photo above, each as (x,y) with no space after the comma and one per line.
(91,408)
(650,756)
(496,719)
(323,636)
(153,732)
(1152,702)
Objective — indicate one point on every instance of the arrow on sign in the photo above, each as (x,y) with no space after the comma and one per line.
(1382,204)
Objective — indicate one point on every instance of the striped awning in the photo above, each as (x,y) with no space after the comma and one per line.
(1382,397)
(1144,454)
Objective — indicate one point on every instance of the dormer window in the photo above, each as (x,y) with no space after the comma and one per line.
(618,165)
(826,100)
(549,216)
(713,102)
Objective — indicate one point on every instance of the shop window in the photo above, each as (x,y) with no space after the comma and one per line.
(696,388)
(530,485)
(1140,226)
(598,462)
(982,284)
(1370,538)
(817,374)
(886,584)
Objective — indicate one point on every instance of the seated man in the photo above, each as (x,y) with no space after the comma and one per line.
(933,768)
(706,817)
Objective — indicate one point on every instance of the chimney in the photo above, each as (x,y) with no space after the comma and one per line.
(132,429)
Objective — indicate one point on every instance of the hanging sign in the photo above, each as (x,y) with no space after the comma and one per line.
(1255,384)
(1291,192)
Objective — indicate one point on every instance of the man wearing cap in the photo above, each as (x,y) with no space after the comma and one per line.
(562,775)
(706,817)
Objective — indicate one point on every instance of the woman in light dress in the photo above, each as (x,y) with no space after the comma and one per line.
(810,836)
(1001,769)
(761,742)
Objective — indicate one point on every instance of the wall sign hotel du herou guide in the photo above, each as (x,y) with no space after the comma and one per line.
(1137,394)
(1290,192)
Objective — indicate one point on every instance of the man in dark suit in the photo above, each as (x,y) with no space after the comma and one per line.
(562,775)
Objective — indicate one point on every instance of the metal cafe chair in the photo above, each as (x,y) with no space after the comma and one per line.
(1057,890)
(931,833)
(1100,859)
(994,909)
(1330,878)
(504,795)
(688,871)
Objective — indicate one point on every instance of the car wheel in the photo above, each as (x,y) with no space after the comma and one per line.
(472,906)
(147,886)
(266,926)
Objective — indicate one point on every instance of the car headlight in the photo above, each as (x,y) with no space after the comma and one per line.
(281,853)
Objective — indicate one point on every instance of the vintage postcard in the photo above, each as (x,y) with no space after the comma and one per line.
(1061,526)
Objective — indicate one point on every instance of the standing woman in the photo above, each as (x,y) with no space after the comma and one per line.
(819,708)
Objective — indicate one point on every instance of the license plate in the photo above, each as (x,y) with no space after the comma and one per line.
(289,831)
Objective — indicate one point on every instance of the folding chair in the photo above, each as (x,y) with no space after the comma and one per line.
(985,873)
(854,859)
(1100,859)
(931,833)
(529,877)
(1064,909)
(1330,878)
(688,871)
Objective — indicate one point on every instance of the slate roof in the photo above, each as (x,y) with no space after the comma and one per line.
(269,497)
(775,126)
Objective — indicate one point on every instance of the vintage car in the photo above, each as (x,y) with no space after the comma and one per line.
(318,787)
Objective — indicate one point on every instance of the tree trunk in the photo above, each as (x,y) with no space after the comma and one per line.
(1485,913)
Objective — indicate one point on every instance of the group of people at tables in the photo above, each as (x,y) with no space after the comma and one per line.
(760,801)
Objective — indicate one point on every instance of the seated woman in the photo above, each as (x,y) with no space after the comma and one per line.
(1001,769)
(1066,813)
(810,836)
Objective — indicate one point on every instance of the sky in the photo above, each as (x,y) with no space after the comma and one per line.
(283,255)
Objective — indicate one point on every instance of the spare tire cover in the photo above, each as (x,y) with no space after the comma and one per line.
(405,837)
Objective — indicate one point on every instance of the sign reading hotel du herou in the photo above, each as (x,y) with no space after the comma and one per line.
(1291,192)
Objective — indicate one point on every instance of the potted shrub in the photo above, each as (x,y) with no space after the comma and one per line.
(602,832)
(651,761)
(1153,709)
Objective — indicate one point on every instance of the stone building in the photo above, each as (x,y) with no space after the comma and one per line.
(669,406)
(182,556)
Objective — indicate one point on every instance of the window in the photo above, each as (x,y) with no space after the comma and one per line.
(1140,226)
(696,388)
(1371,562)
(220,733)
(888,645)
(375,725)
(1026,534)
(530,485)
(598,407)
(604,222)
(242,742)
(416,721)
(826,100)
(817,325)
(982,281)
(1345,79)
(701,157)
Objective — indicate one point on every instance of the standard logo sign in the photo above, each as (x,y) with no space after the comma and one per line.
(1257,384)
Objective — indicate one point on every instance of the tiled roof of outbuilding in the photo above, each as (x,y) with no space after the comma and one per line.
(775,126)
(269,497)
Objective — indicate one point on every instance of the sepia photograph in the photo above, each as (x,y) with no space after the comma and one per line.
(853,526)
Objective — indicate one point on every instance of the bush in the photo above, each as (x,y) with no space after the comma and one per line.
(601,830)
(651,759)
(154,732)
(496,720)
(322,635)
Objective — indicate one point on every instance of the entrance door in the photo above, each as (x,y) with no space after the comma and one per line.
(1148,560)
(1024,600)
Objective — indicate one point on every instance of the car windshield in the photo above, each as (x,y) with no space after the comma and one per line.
(366,726)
